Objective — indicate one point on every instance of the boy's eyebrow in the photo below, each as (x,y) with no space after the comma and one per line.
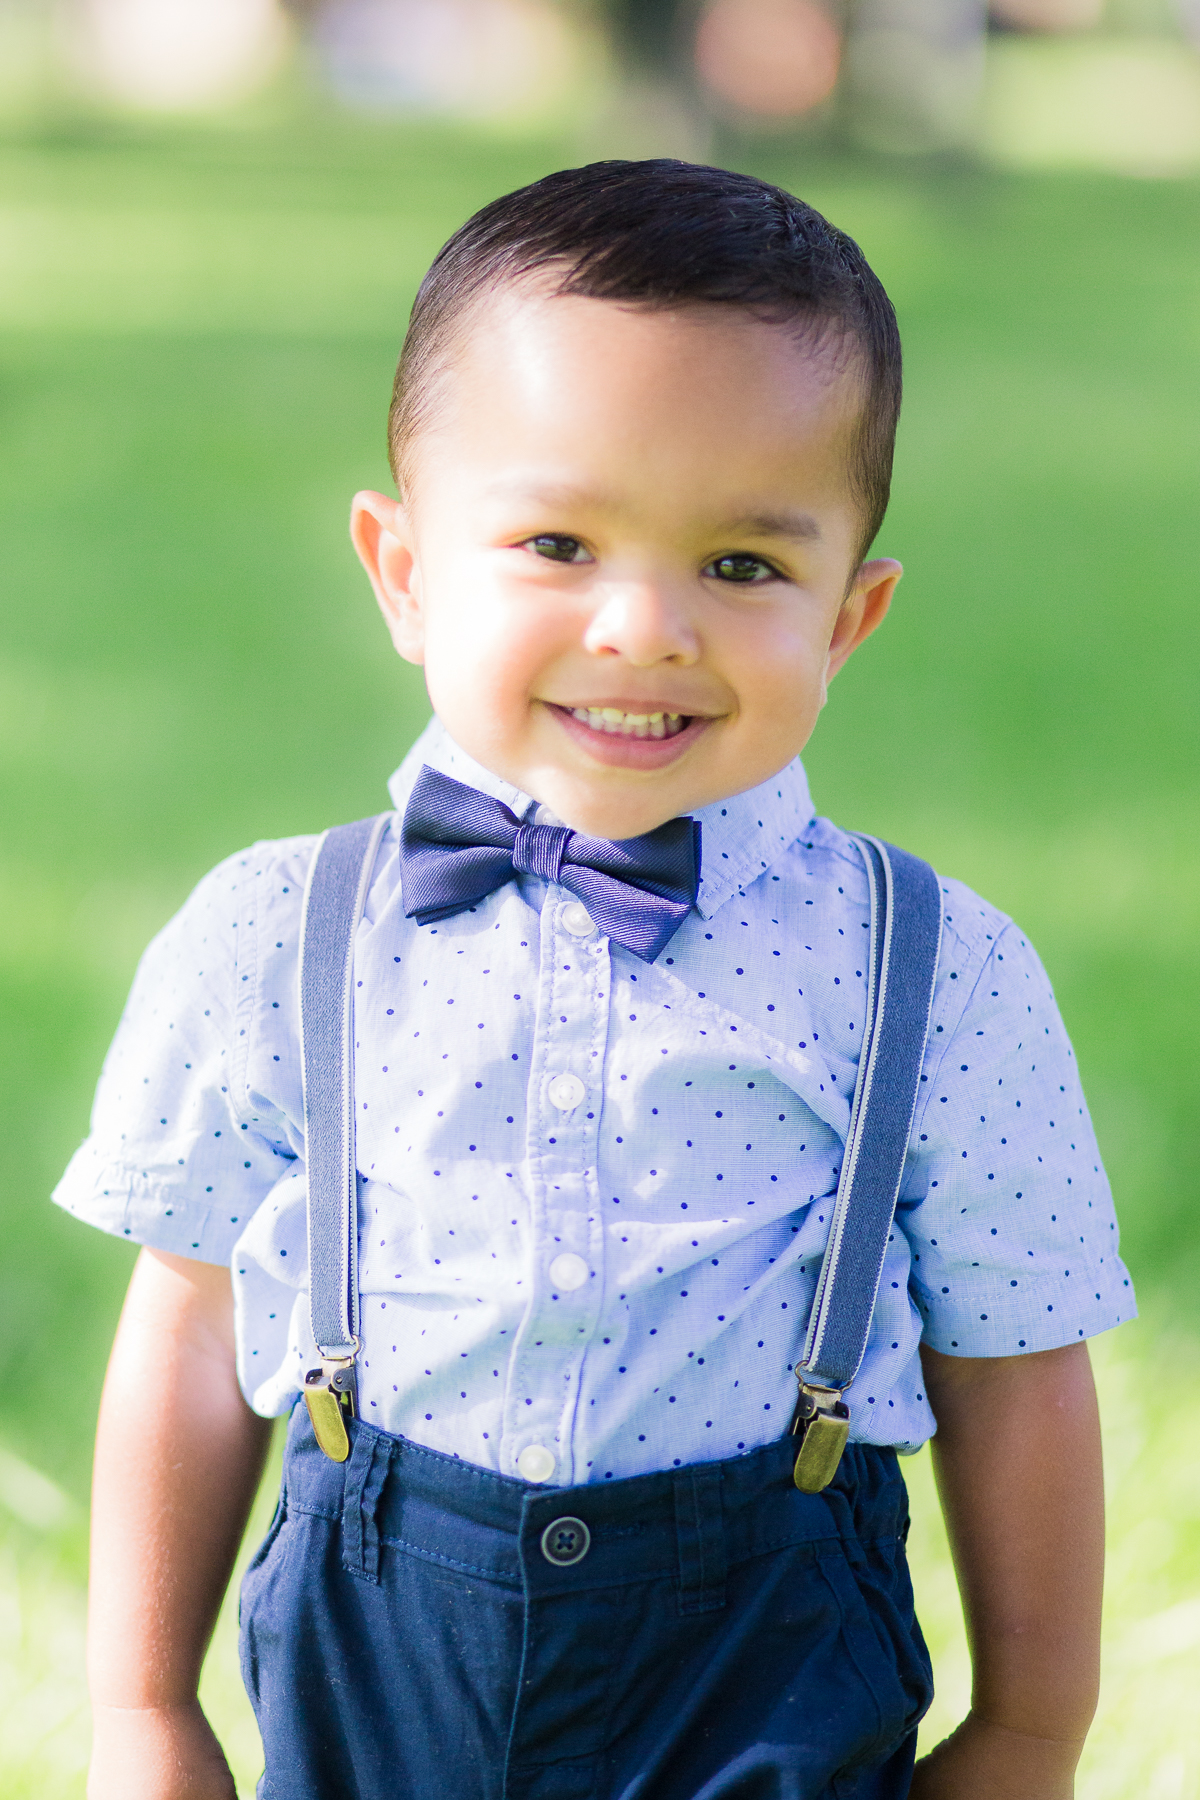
(799,526)
(548,493)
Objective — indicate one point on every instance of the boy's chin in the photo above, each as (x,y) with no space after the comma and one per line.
(611,788)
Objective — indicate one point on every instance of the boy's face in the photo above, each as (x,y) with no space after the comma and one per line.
(624,558)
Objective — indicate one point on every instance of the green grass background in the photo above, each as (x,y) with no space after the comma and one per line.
(197,333)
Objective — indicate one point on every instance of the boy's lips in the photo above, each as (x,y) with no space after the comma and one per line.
(646,738)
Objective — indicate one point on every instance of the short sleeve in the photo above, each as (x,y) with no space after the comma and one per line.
(176,1157)
(1006,1205)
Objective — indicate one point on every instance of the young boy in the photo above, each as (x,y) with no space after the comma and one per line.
(604,1069)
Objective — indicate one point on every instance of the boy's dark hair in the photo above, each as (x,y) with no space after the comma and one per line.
(668,235)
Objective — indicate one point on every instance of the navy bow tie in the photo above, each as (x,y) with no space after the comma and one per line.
(458,845)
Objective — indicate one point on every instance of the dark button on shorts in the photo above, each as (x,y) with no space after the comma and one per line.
(566,1541)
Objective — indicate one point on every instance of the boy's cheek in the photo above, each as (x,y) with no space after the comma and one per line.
(781,715)
(486,639)
(477,675)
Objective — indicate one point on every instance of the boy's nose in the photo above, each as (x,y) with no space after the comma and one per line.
(644,623)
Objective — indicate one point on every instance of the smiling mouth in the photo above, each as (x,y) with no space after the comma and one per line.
(626,737)
(613,722)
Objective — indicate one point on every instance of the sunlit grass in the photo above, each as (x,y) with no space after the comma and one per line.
(1144,1745)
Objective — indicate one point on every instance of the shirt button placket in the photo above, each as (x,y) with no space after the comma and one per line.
(565,1092)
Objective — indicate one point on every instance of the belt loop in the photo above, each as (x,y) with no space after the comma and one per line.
(366,1473)
(700,1532)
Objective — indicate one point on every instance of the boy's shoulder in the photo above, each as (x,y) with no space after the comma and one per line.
(241,918)
(245,889)
(233,898)
(971,925)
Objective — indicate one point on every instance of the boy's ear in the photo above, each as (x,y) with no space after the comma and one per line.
(863,611)
(381,532)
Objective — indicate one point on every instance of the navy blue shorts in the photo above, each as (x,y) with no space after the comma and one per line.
(414,1628)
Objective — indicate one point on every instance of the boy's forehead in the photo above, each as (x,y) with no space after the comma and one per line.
(580,372)
(527,323)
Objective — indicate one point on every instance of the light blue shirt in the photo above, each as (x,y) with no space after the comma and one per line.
(594,1193)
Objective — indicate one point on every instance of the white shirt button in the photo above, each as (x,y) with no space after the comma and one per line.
(535,1463)
(568,1271)
(577,919)
(565,1091)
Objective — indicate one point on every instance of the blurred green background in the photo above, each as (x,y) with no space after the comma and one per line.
(198,326)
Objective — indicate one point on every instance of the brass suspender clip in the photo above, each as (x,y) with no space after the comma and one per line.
(822,1424)
(331,1396)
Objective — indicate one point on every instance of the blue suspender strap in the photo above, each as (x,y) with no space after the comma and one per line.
(906,924)
(334,897)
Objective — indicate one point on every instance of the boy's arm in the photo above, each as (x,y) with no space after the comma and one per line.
(178,1458)
(1017,1461)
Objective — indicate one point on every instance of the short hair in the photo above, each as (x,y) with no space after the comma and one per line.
(667,235)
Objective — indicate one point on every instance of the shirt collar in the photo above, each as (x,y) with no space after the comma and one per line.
(436,747)
(740,837)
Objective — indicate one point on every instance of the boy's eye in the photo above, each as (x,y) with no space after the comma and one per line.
(740,567)
(555,547)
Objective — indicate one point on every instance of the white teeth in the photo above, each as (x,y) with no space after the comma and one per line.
(616,723)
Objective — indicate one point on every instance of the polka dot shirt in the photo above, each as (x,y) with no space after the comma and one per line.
(594,1193)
